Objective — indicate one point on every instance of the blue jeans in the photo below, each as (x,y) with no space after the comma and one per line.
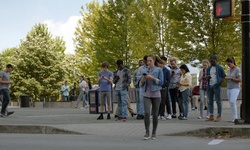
(65,98)
(81,97)
(214,92)
(85,99)
(169,97)
(184,101)
(121,97)
(6,99)
(202,99)
(139,102)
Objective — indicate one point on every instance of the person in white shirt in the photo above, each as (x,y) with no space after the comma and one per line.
(82,89)
(184,88)
(65,91)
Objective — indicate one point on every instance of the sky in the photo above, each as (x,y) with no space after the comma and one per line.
(17,17)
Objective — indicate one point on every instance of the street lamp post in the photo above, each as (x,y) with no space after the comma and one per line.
(245,19)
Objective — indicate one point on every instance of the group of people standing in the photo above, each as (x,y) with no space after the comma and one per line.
(159,87)
(84,87)
(211,78)
(151,80)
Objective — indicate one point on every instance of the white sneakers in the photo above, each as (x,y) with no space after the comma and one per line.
(169,117)
(166,117)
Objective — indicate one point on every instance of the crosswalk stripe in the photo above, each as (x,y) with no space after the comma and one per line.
(215,142)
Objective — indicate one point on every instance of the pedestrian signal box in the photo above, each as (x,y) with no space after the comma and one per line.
(224,8)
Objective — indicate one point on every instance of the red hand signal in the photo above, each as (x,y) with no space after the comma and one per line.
(218,9)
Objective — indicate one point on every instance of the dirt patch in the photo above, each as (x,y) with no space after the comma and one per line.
(217,133)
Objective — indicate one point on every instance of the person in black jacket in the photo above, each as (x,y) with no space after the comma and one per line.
(164,91)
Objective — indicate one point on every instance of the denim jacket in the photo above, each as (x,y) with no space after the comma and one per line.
(156,73)
(220,74)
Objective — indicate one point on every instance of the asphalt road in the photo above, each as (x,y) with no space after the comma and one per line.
(93,142)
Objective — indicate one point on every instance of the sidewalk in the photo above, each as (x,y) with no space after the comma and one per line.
(80,121)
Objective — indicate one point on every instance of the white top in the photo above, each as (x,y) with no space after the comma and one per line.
(166,66)
(83,85)
(185,79)
(213,73)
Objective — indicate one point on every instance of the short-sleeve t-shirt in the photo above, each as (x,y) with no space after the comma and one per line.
(213,75)
(104,84)
(234,74)
(5,77)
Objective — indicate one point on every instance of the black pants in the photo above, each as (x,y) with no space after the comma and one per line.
(153,103)
(174,98)
(164,102)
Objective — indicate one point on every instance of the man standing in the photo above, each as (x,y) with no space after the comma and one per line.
(65,91)
(4,89)
(105,78)
(173,89)
(122,80)
(215,75)
(139,101)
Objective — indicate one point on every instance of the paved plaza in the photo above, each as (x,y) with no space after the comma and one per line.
(105,131)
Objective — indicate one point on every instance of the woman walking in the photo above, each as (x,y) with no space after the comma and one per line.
(184,88)
(233,85)
(151,81)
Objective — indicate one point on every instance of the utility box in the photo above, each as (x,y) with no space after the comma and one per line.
(94,105)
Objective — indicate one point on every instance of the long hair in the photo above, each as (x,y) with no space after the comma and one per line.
(158,61)
(231,60)
(184,67)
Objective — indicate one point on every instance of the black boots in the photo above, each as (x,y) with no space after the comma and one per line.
(101,116)
(108,116)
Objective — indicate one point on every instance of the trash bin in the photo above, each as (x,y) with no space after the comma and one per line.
(94,102)
(25,101)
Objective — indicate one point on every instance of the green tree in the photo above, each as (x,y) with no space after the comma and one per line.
(39,70)
(104,34)
(198,35)
(153,27)
(6,57)
(84,40)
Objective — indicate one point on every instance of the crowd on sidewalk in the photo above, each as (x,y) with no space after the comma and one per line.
(160,88)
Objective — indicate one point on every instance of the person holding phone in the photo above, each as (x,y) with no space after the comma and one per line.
(173,89)
(165,103)
(203,87)
(233,85)
(152,81)
(215,78)
(4,89)
(105,78)
(136,81)
(184,88)
(122,80)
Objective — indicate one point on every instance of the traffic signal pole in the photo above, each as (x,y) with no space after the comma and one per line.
(245,19)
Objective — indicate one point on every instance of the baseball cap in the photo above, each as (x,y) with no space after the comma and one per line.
(213,58)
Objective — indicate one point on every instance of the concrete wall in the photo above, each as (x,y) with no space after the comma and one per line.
(131,94)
